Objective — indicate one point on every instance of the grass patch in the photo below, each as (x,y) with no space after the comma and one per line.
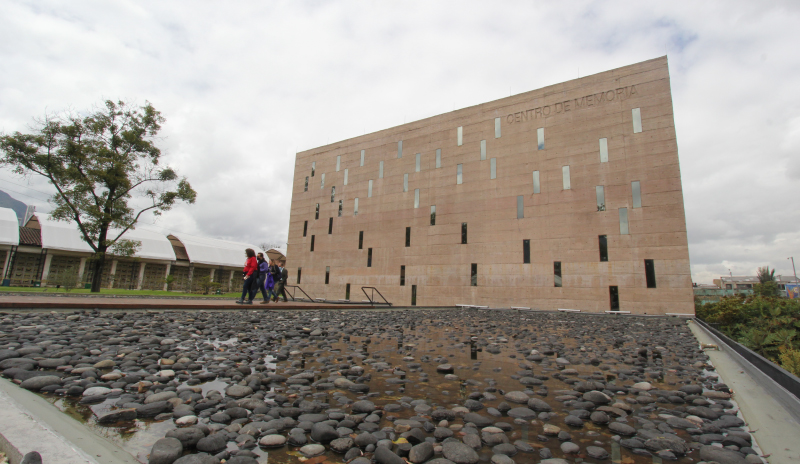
(112,291)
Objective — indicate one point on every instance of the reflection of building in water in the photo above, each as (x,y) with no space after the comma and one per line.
(43,252)
(563,197)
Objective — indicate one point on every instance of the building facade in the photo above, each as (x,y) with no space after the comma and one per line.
(44,252)
(564,197)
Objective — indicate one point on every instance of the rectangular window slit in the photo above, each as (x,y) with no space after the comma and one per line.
(402,275)
(604,150)
(327,274)
(347,292)
(369,257)
(536,188)
(380,170)
(520,206)
(405,182)
(361,240)
(526,251)
(493,169)
(473,275)
(433,215)
(613,293)
(362,158)
(345,176)
(458,174)
(636,190)
(330,226)
(623,221)
(369,189)
(312,243)
(299,273)
(419,161)
(305,189)
(305,228)
(338,162)
(636,113)
(460,135)
(355,207)
(413,295)
(650,273)
(565,175)
(316,215)
(416,198)
(603,242)
(463,232)
(540,136)
(557,273)
(483,150)
(400,149)
(438,157)
(408,236)
(497,128)
(601,198)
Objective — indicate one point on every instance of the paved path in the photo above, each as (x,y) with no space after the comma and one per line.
(768,409)
(35,302)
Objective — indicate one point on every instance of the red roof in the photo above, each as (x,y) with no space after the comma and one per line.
(31,237)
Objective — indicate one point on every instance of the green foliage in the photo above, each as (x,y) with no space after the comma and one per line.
(766,325)
(790,360)
(97,163)
(207,284)
(168,280)
(766,289)
(125,248)
(764,275)
(66,279)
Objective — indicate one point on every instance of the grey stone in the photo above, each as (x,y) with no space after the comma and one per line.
(459,453)
(188,436)
(165,451)
(37,383)
(570,448)
(200,458)
(238,391)
(117,415)
(721,455)
(421,453)
(31,457)
(310,451)
(323,433)
(212,444)
(341,445)
(596,452)
(521,413)
(384,455)
(272,441)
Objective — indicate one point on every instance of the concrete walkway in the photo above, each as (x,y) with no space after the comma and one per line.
(772,414)
(40,426)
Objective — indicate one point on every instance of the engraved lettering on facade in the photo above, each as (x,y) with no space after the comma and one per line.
(618,94)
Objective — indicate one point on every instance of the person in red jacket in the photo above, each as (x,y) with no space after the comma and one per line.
(250,277)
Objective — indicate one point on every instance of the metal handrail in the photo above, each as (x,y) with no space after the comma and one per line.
(372,299)
(299,288)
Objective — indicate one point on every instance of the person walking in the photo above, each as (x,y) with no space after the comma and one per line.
(280,285)
(269,284)
(263,270)
(250,277)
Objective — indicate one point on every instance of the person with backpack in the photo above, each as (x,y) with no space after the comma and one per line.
(280,286)
(263,270)
(250,274)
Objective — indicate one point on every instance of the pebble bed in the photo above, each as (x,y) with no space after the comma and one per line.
(422,386)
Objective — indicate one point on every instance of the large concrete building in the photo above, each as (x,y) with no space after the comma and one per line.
(566,197)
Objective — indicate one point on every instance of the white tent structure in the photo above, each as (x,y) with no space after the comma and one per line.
(59,235)
(214,252)
(154,245)
(9,227)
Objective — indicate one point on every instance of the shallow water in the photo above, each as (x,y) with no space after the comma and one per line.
(467,347)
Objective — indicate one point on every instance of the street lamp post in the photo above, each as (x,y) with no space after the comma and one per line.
(793,269)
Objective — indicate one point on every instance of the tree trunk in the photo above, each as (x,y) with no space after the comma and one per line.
(97,277)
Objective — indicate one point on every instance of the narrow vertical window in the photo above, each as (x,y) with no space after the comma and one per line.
(536,188)
(497,128)
(483,150)
(623,221)
(613,294)
(565,176)
(636,190)
(299,273)
(473,275)
(312,243)
(463,232)
(601,198)
(604,150)
(650,273)
(338,162)
(313,167)
(347,292)
(557,273)
(361,240)
(355,207)
(636,113)
(460,135)
(322,181)
(493,169)
(520,206)
(330,226)
(438,157)
(526,251)
(305,228)
(316,215)
(402,275)
(416,198)
(380,170)
(305,189)
(369,257)
(345,176)
(413,295)
(408,236)
(603,242)
(341,204)
(362,158)
(540,137)
(327,274)
(458,174)
(369,189)
(419,161)
(405,182)
(400,149)
(433,215)
(333,194)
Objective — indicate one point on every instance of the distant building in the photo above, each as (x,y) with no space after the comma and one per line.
(747,282)
(37,253)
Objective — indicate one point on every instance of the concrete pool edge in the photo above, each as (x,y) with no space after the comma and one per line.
(28,422)
(771,412)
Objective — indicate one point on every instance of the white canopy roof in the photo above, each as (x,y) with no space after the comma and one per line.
(61,235)
(9,227)
(202,250)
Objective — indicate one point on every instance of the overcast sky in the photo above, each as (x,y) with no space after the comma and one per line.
(245,85)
